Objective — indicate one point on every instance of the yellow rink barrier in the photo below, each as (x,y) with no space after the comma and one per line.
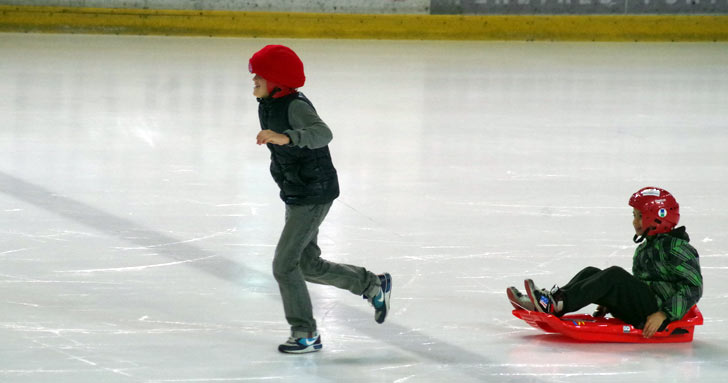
(356,26)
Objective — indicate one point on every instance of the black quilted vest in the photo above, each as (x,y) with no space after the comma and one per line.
(305,176)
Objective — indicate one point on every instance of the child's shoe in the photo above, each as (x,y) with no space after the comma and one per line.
(600,311)
(301,345)
(381,300)
(518,300)
(549,302)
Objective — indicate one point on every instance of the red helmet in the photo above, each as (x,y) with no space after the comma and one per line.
(660,211)
(278,64)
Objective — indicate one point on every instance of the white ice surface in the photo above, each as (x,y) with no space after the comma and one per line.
(138,218)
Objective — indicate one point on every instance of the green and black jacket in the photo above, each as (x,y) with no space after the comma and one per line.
(670,266)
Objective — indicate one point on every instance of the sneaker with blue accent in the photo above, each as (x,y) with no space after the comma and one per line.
(519,300)
(549,302)
(381,300)
(301,345)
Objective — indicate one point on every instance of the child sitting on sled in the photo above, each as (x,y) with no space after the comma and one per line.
(665,281)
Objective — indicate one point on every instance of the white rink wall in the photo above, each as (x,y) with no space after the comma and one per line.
(466,7)
(321,6)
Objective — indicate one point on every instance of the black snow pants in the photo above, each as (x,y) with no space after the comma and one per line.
(626,297)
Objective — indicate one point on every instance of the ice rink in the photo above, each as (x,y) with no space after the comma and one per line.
(138,218)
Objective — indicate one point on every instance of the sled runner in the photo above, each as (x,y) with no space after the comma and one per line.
(600,329)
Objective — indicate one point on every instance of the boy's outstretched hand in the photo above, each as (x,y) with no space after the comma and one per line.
(270,137)
(653,323)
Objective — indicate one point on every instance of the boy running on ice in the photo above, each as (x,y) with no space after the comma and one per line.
(301,166)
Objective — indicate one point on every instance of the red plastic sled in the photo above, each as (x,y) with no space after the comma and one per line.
(588,328)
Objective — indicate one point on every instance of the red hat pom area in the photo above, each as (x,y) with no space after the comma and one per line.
(278,64)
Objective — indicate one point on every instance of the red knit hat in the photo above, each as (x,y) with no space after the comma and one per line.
(278,64)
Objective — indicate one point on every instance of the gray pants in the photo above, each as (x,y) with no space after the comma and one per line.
(298,259)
